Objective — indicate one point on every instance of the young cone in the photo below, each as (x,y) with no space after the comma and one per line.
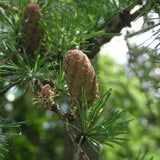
(31,29)
(79,73)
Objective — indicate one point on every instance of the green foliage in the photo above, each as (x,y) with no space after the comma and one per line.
(60,82)
(70,24)
(26,70)
(6,131)
(142,156)
(66,27)
(42,135)
(97,126)
(134,93)
(150,24)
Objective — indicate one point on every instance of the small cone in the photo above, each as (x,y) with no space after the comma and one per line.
(31,29)
(46,92)
(79,73)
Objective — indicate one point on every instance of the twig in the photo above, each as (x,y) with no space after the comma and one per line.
(122,20)
(8,6)
(64,117)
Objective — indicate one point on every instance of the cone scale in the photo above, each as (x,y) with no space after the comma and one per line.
(79,73)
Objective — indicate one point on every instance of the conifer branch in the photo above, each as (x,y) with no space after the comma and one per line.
(122,20)
(71,133)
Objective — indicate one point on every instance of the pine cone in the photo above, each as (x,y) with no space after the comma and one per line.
(79,73)
(31,29)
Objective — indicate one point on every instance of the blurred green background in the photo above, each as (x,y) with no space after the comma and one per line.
(135,88)
(43,135)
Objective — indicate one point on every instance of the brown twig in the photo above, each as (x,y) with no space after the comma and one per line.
(8,6)
(70,131)
(122,20)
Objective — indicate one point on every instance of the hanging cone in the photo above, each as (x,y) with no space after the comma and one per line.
(79,73)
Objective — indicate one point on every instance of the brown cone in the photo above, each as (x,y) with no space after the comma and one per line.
(31,29)
(79,73)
